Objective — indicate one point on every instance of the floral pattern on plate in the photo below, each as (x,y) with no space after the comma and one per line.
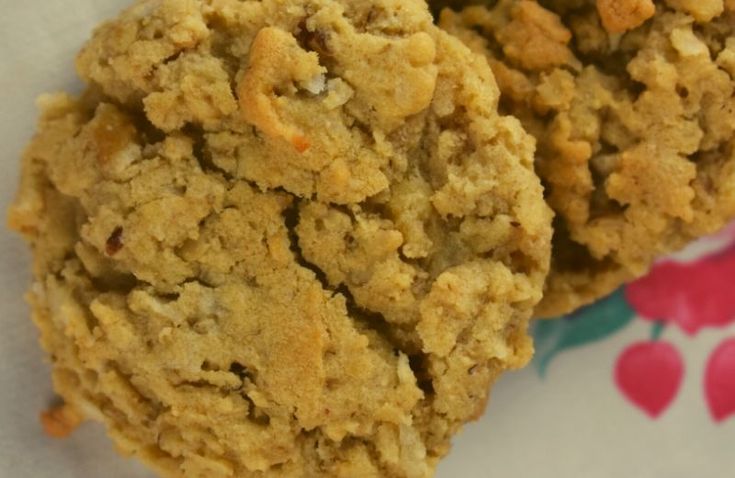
(692,290)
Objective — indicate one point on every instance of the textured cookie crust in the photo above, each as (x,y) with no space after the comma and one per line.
(281,238)
(635,130)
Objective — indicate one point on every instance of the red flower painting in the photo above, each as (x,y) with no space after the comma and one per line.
(691,295)
(694,290)
(649,374)
(719,380)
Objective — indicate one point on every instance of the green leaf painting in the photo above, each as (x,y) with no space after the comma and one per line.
(589,324)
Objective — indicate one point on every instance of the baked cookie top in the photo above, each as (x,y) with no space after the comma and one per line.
(282,238)
(634,113)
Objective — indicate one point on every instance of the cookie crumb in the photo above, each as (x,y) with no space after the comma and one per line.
(621,15)
(60,421)
(536,37)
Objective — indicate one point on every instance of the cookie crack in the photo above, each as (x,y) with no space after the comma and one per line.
(369,319)
(291,220)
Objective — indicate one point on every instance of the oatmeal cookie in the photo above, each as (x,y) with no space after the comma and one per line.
(634,112)
(276,238)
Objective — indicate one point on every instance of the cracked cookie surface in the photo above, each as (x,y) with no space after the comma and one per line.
(281,238)
(634,112)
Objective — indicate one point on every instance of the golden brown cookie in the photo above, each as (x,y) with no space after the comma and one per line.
(636,130)
(276,238)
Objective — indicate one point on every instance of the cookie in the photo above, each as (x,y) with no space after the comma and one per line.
(281,238)
(634,113)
